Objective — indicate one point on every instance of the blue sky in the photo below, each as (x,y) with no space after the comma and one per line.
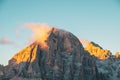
(94,20)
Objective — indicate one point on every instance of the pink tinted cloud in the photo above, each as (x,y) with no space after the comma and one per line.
(5,41)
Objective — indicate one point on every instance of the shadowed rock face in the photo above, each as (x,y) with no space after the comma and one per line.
(65,59)
(109,69)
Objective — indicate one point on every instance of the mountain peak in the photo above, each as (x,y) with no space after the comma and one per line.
(64,52)
(61,56)
(98,51)
(25,54)
(29,53)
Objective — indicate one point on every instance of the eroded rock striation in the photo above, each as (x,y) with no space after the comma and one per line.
(63,58)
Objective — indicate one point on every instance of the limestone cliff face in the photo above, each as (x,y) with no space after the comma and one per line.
(64,59)
(109,69)
(108,65)
(97,51)
(28,54)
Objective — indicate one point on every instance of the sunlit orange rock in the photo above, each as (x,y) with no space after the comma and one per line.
(117,55)
(96,50)
(25,56)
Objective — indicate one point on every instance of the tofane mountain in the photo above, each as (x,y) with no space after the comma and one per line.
(61,56)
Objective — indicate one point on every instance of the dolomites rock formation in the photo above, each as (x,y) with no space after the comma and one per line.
(108,65)
(98,51)
(64,58)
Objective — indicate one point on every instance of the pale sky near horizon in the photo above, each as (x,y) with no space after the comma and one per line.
(93,20)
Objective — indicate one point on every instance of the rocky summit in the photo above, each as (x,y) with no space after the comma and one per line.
(64,58)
